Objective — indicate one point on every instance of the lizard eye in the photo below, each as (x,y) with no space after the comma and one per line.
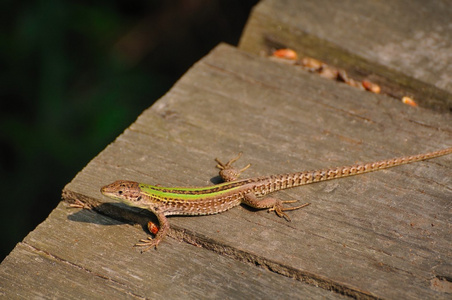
(120,192)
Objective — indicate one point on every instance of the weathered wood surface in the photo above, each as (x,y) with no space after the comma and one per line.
(91,258)
(404,45)
(384,234)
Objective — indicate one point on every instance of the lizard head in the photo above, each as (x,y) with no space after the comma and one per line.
(128,192)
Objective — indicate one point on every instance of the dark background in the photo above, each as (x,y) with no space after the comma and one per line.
(75,74)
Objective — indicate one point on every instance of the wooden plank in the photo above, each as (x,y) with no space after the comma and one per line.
(385,234)
(403,45)
(91,258)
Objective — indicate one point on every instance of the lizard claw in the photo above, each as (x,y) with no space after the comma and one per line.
(79,204)
(228,165)
(148,243)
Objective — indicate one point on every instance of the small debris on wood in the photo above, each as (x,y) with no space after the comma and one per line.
(409,101)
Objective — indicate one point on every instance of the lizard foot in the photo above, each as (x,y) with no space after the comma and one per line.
(79,204)
(280,210)
(148,243)
(228,173)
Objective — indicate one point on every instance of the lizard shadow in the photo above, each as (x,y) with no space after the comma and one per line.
(216,180)
(110,214)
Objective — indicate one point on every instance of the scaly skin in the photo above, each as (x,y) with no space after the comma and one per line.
(166,201)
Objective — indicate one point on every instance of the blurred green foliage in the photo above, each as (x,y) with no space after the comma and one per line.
(67,89)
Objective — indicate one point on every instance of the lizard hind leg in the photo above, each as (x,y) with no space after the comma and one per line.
(272,204)
(227,171)
(280,210)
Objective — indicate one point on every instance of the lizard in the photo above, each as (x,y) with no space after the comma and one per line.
(167,201)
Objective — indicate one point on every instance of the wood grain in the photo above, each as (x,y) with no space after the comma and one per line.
(405,46)
(380,235)
(384,234)
(92,258)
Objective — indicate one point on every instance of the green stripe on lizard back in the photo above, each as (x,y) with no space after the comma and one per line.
(191,193)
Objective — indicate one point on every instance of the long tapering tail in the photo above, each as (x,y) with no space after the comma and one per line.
(284,181)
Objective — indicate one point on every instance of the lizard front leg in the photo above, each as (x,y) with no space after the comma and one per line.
(227,171)
(160,234)
(272,204)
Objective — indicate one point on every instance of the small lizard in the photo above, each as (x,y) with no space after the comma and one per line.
(166,201)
